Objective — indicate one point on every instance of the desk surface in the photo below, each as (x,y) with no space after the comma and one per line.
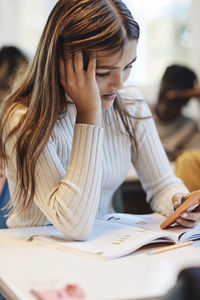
(25,266)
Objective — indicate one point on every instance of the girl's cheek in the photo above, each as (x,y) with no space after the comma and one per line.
(100,83)
(126,75)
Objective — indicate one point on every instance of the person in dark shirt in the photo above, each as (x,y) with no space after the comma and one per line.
(12,62)
(177,131)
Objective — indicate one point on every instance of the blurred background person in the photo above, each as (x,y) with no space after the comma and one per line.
(177,131)
(13,62)
(187,164)
(186,93)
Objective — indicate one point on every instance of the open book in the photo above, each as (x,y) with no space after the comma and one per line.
(117,235)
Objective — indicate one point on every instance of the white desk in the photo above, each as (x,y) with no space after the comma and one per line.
(24,266)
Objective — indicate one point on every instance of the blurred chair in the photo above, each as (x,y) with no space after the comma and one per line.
(4,198)
(117,201)
(187,168)
(187,286)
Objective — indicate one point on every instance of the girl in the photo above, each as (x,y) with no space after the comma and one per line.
(70,130)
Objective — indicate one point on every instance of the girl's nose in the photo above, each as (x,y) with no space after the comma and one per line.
(118,82)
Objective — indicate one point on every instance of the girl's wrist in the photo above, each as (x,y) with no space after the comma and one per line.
(89,117)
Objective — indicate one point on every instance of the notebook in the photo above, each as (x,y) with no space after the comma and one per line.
(117,235)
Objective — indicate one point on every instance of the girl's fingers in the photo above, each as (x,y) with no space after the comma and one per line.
(91,70)
(74,65)
(186,223)
(69,65)
(192,208)
(78,63)
(192,215)
(177,199)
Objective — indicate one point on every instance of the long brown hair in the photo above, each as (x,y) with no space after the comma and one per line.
(72,25)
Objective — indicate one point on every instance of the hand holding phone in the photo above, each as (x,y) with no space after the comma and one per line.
(193,199)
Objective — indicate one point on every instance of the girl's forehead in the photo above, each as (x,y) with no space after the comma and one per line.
(112,58)
(108,57)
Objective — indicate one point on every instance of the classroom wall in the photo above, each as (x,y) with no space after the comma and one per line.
(195,40)
(12,31)
(21,22)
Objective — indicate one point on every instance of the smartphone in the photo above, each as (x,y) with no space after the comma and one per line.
(191,201)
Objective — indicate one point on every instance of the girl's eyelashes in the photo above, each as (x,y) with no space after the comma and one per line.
(103,74)
(128,67)
(109,72)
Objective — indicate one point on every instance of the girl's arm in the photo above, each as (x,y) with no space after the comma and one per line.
(165,191)
(69,197)
(153,167)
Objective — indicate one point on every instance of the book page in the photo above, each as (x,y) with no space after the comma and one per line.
(109,240)
(152,222)
(147,222)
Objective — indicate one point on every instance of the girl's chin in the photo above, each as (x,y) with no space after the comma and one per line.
(106,104)
(107,100)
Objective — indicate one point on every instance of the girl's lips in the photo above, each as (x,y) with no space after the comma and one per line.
(109,97)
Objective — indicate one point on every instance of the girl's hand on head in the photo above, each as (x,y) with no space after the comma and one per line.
(81,87)
(190,217)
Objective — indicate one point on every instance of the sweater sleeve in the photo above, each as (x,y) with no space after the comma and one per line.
(152,165)
(68,198)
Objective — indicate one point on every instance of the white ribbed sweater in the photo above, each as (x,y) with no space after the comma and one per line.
(82,165)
